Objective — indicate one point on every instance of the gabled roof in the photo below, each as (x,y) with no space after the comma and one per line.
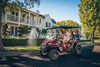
(41,15)
(53,21)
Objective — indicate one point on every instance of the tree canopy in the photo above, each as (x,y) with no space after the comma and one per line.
(89,12)
(67,23)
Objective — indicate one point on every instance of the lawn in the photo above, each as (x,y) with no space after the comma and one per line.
(84,40)
(37,48)
(18,49)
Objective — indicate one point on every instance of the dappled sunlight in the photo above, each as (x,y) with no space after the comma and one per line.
(31,40)
(96,63)
(91,61)
(39,58)
(96,49)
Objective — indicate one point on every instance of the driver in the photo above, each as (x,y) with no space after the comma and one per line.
(60,38)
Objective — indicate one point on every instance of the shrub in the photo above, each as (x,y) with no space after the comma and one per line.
(21,41)
(14,42)
(39,41)
(84,40)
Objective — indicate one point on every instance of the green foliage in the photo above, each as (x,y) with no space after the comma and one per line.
(39,41)
(68,23)
(20,49)
(44,31)
(24,30)
(84,40)
(5,31)
(89,12)
(14,42)
(20,41)
(12,4)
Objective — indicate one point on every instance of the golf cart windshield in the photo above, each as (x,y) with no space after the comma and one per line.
(58,28)
(65,27)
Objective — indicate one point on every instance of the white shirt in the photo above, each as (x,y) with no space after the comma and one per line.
(67,37)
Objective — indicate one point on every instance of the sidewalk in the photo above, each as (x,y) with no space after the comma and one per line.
(18,53)
(3,54)
(96,49)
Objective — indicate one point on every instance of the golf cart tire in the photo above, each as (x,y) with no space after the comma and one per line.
(54,55)
(78,50)
(42,53)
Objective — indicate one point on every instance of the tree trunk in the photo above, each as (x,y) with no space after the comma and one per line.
(99,34)
(93,36)
(1,44)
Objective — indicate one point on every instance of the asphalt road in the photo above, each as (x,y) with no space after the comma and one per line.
(88,58)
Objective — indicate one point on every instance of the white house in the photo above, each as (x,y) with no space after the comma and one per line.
(20,17)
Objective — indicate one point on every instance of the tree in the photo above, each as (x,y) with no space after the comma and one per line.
(68,23)
(9,4)
(5,31)
(24,30)
(89,12)
(44,31)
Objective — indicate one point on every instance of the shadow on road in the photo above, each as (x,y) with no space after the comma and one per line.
(64,61)
(88,58)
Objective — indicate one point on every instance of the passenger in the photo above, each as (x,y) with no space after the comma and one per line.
(76,39)
(60,38)
(66,38)
(71,38)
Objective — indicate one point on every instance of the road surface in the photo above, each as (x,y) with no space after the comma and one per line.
(88,58)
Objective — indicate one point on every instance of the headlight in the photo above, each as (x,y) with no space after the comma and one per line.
(49,43)
(42,44)
(42,47)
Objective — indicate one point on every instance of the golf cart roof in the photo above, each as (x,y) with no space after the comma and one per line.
(65,27)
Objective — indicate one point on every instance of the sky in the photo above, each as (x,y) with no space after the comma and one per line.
(59,9)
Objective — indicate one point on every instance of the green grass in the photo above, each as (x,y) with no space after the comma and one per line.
(84,40)
(18,49)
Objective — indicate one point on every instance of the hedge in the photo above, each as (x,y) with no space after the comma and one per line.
(21,42)
(39,41)
(84,40)
(14,42)
(24,42)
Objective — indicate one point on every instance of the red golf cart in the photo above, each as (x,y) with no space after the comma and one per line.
(52,49)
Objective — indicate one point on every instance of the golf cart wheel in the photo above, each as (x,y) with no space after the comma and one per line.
(78,50)
(53,54)
(43,53)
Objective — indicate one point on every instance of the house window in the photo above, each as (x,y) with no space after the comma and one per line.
(46,24)
(49,24)
(12,30)
(27,19)
(40,21)
(16,13)
(13,13)
(16,31)
(23,16)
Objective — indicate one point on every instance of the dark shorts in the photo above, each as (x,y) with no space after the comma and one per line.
(68,42)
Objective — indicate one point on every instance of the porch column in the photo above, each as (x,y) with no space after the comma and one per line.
(5,16)
(19,16)
(29,20)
